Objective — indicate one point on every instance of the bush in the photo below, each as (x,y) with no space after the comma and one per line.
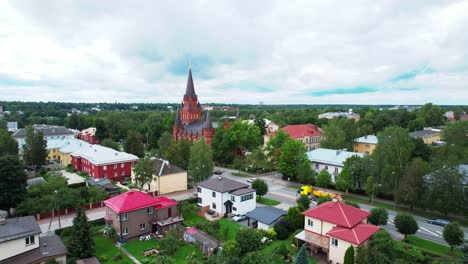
(282,229)
(211,228)
(248,240)
(354,204)
(271,233)
(379,216)
(282,251)
(323,199)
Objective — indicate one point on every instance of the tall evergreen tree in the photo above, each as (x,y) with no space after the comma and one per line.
(301,257)
(134,144)
(8,145)
(81,244)
(34,150)
(12,182)
(349,255)
(200,162)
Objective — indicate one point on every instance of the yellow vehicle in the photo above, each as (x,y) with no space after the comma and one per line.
(308,190)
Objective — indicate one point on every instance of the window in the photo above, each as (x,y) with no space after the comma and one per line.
(213,206)
(334,242)
(367,146)
(213,194)
(115,166)
(310,222)
(125,231)
(142,226)
(199,200)
(121,165)
(234,208)
(326,167)
(115,174)
(30,240)
(123,173)
(336,170)
(247,197)
(124,217)
(356,144)
(367,152)
(105,175)
(199,189)
(233,198)
(149,210)
(316,165)
(105,167)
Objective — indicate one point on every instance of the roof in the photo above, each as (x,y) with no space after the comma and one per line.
(338,213)
(72,144)
(19,227)
(89,131)
(197,126)
(177,121)
(95,182)
(36,180)
(190,89)
(191,230)
(100,155)
(300,131)
(423,133)
(356,235)
(50,246)
(208,123)
(46,129)
(331,156)
(266,214)
(222,184)
(92,260)
(202,237)
(313,238)
(463,117)
(135,200)
(369,139)
(242,191)
(163,167)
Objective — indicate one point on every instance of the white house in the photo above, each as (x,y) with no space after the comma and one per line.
(226,196)
(331,160)
(50,132)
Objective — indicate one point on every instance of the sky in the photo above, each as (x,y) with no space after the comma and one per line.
(241,52)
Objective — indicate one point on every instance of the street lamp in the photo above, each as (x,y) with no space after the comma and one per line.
(394,194)
(372,197)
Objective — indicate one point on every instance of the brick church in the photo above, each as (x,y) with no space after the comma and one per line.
(189,123)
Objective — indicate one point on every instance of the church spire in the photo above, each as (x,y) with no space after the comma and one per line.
(190,90)
(208,123)
(178,122)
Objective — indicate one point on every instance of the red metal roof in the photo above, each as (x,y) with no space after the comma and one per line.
(191,230)
(135,200)
(338,213)
(300,131)
(356,235)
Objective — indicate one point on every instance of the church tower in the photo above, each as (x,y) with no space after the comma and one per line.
(190,109)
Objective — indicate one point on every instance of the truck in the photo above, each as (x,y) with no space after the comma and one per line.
(309,190)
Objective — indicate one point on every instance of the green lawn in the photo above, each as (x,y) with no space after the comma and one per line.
(191,218)
(431,247)
(266,201)
(136,248)
(106,251)
(229,225)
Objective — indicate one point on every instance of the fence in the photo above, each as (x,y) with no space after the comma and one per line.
(67,211)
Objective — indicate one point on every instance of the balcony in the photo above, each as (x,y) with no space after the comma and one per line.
(169,221)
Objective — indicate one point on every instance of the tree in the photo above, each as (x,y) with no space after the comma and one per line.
(379,216)
(406,224)
(231,248)
(431,115)
(304,202)
(275,144)
(345,180)
(110,144)
(8,145)
(256,159)
(101,129)
(334,136)
(34,150)
(261,125)
(323,179)
(411,189)
(302,256)
(200,163)
(12,182)
(169,243)
(134,144)
(294,218)
(305,173)
(144,171)
(349,256)
(178,153)
(421,150)
(453,235)
(261,187)
(163,143)
(81,244)
(248,240)
(282,229)
(324,199)
(72,121)
(360,168)
(370,185)
(261,258)
(457,142)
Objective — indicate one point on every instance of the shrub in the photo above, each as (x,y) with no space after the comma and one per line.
(282,251)
(352,203)
(248,241)
(379,216)
(271,233)
(323,199)
(282,229)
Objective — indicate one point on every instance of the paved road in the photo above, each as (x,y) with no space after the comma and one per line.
(278,190)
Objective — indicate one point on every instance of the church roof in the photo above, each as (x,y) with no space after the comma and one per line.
(190,90)
(178,122)
(208,123)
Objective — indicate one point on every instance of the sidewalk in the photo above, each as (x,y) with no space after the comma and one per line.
(67,220)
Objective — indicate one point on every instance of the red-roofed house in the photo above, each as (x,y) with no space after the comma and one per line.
(88,135)
(308,134)
(332,227)
(136,213)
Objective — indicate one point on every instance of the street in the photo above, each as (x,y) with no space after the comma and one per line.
(278,190)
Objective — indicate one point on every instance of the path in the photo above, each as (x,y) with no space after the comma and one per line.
(67,220)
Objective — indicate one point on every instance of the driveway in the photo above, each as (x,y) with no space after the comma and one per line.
(72,178)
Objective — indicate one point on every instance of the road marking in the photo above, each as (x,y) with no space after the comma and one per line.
(430,232)
(438,232)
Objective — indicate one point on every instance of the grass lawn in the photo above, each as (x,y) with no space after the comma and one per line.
(229,225)
(243,175)
(266,201)
(431,247)
(288,243)
(106,251)
(191,218)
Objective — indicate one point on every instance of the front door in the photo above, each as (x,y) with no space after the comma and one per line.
(169,212)
(228,205)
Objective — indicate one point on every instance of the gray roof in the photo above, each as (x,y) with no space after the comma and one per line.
(35,181)
(50,247)
(163,167)
(222,184)
(95,182)
(266,214)
(423,133)
(331,156)
(369,139)
(208,123)
(46,129)
(205,239)
(242,191)
(198,126)
(190,89)
(178,122)
(19,227)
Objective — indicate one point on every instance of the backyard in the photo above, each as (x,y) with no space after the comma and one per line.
(106,251)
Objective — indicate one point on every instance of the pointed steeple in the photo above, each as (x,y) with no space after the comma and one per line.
(208,123)
(190,90)
(237,114)
(178,122)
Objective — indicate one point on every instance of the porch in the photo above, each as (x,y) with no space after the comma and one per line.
(317,246)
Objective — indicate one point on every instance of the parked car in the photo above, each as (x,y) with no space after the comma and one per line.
(239,217)
(439,222)
(217,172)
(251,180)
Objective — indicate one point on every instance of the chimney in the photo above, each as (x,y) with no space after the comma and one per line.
(335,199)
(220,177)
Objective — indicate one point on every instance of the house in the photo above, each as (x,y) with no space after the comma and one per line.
(308,134)
(135,213)
(69,146)
(450,115)
(365,144)
(226,196)
(331,160)
(20,243)
(265,217)
(167,178)
(102,162)
(105,185)
(208,244)
(50,132)
(88,135)
(270,126)
(332,227)
(428,136)
(12,126)
(349,115)
(462,169)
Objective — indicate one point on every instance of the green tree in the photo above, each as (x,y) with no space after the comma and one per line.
(275,145)
(231,248)
(261,187)
(453,235)
(345,180)
(457,142)
(8,145)
(101,129)
(431,115)
(295,217)
(379,216)
(249,240)
(324,199)
(34,150)
(349,256)
(302,256)
(256,159)
(305,173)
(169,243)
(72,121)
(178,153)
(421,150)
(81,244)
(411,189)
(164,143)
(260,123)
(261,258)
(406,224)
(303,202)
(323,179)
(334,136)
(134,144)
(12,182)
(293,153)
(200,163)
(360,168)
(110,144)
(144,171)
(370,186)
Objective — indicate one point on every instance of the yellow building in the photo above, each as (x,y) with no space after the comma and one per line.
(60,149)
(365,144)
(167,178)
(428,136)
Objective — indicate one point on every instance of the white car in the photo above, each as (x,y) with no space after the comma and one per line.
(239,217)
(251,180)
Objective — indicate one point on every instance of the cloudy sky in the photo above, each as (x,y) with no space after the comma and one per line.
(314,52)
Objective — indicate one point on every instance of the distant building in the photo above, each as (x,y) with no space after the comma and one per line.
(365,144)
(270,126)
(330,159)
(50,132)
(12,126)
(2,109)
(308,134)
(167,178)
(88,135)
(349,115)
(20,243)
(450,115)
(428,136)
(463,117)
